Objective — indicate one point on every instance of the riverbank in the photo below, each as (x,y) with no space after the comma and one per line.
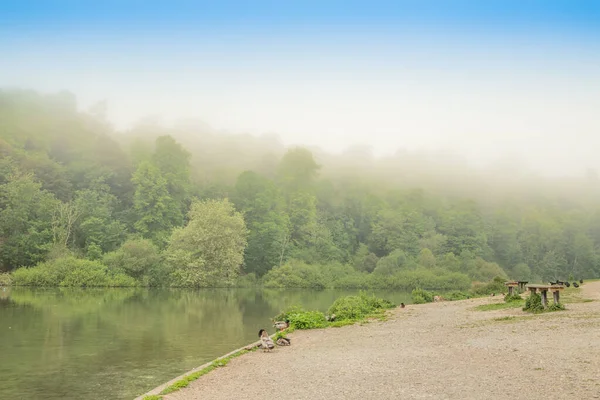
(442,350)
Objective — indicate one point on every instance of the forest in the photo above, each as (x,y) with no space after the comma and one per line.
(84,204)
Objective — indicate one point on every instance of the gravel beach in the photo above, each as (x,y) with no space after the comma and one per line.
(443,350)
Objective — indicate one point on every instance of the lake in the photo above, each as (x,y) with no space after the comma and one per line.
(119,343)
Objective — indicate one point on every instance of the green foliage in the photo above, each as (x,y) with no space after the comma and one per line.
(26,213)
(66,182)
(514,297)
(141,260)
(495,286)
(357,307)
(555,307)
(70,271)
(5,279)
(533,303)
(420,296)
(500,306)
(210,249)
(307,320)
(155,210)
(457,295)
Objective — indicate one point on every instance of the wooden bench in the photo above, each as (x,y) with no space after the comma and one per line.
(543,289)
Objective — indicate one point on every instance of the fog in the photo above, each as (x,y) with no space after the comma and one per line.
(498,99)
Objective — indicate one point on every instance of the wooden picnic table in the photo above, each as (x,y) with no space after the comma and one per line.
(543,289)
(511,286)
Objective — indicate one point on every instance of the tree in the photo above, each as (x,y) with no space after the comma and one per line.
(156,211)
(263,207)
(173,162)
(297,170)
(25,221)
(209,250)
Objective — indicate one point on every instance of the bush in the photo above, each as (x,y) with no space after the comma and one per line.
(495,286)
(358,307)
(70,271)
(295,274)
(457,295)
(307,320)
(301,319)
(139,259)
(420,296)
(5,279)
(514,297)
(246,281)
(534,303)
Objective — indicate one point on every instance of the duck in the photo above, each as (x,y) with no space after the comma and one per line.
(281,325)
(575,284)
(567,284)
(283,341)
(581,281)
(330,318)
(265,341)
(402,305)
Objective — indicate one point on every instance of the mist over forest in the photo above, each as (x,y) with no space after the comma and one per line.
(187,205)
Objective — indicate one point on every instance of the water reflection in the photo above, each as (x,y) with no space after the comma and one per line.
(117,343)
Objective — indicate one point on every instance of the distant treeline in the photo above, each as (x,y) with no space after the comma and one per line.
(85,205)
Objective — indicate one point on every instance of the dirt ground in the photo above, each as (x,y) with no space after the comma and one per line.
(442,350)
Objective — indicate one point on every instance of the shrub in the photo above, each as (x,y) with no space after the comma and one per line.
(457,295)
(420,296)
(556,307)
(301,319)
(295,274)
(70,271)
(495,286)
(512,297)
(5,279)
(534,303)
(140,259)
(358,307)
(307,320)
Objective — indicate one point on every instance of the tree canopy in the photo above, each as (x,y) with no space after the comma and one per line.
(199,207)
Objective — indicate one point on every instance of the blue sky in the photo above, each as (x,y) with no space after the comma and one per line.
(484,78)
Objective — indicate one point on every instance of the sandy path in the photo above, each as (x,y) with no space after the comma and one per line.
(433,351)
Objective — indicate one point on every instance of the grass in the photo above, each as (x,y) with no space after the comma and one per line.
(185,381)
(500,306)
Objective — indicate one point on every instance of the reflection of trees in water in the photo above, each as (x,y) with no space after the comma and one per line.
(117,343)
(108,338)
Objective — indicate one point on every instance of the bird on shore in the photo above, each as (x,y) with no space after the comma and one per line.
(330,318)
(281,325)
(266,342)
(581,281)
(283,341)
(575,284)
(402,305)
(567,284)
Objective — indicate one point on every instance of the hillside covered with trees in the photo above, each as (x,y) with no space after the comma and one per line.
(84,205)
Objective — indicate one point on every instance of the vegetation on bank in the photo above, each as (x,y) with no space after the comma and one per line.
(156,206)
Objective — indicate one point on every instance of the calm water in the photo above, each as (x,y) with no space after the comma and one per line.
(119,343)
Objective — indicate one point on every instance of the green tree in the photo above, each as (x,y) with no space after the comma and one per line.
(156,211)
(209,250)
(25,221)
(263,207)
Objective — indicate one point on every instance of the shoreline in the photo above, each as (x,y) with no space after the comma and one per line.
(424,351)
(157,390)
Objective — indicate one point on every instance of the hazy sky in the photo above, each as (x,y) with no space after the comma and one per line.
(482,77)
